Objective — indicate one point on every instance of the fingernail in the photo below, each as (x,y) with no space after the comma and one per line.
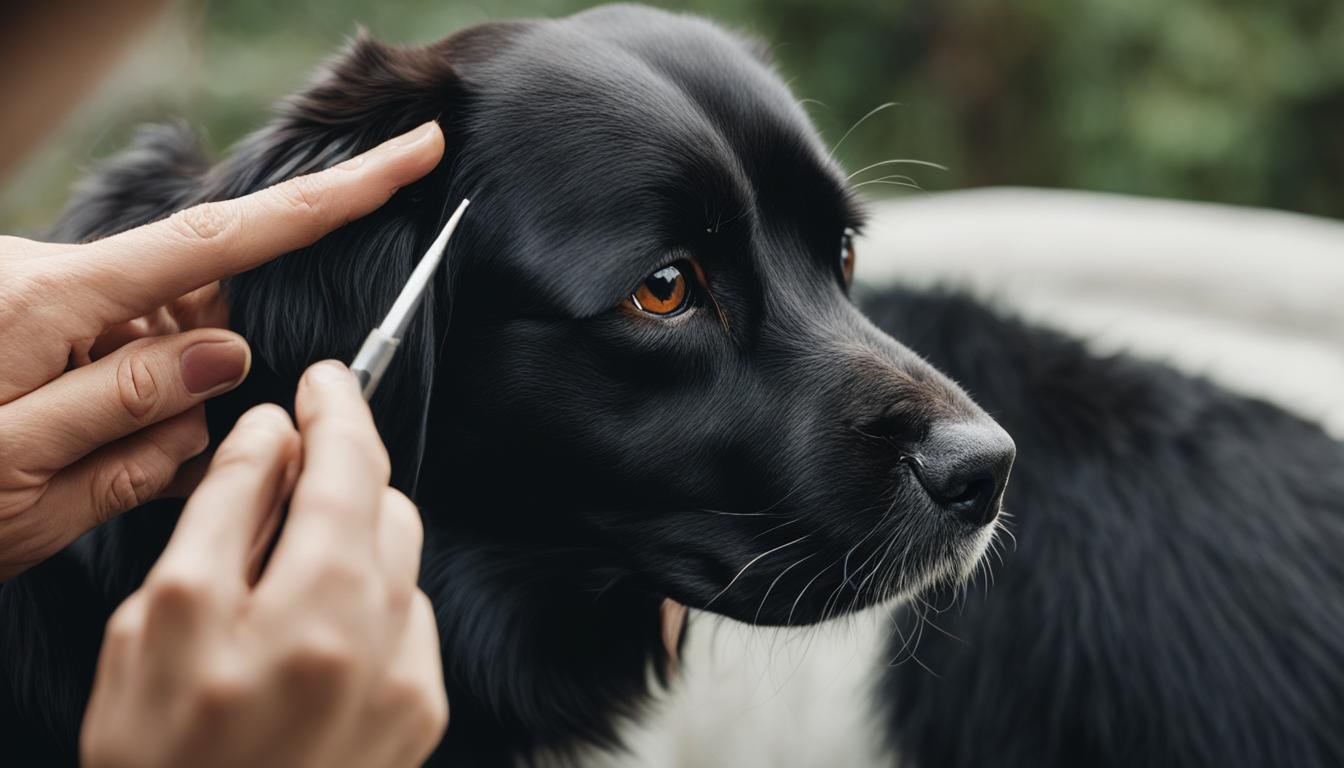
(331,373)
(209,365)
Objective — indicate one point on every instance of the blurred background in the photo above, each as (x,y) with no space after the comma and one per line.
(1212,100)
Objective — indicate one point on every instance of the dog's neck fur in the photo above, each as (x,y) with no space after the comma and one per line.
(575,642)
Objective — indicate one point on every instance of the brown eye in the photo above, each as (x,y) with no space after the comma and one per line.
(664,293)
(847,256)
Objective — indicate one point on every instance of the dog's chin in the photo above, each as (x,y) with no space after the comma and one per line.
(815,588)
(958,567)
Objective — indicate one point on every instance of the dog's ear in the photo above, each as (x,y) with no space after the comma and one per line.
(321,301)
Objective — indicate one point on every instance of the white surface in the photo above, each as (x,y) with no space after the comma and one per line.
(1254,299)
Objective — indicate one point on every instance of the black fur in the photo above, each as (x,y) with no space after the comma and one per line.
(1174,595)
(574,460)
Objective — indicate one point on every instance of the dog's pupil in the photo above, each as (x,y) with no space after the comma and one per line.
(663,283)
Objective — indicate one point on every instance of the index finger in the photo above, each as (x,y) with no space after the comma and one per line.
(141,269)
(345,472)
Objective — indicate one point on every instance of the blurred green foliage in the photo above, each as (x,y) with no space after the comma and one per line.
(1222,100)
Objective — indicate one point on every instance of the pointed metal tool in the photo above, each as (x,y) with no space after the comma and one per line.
(380,347)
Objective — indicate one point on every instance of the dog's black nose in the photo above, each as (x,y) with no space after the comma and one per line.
(964,468)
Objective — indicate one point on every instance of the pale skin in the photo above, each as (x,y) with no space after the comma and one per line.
(110,348)
(330,658)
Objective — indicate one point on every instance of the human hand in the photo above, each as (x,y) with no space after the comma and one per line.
(98,407)
(329,657)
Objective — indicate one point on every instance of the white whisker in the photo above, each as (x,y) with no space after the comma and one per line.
(897,161)
(748,565)
(892,183)
(766,596)
(789,621)
(861,120)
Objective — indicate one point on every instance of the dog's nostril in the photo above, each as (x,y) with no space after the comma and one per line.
(970,500)
(964,469)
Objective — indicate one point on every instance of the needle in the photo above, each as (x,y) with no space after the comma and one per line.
(376,354)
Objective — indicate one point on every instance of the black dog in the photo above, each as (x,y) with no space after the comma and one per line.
(643,378)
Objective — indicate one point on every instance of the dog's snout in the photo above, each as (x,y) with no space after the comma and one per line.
(964,468)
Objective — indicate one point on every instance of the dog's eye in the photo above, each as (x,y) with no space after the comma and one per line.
(847,255)
(664,293)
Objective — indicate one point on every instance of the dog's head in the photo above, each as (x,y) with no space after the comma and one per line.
(644,345)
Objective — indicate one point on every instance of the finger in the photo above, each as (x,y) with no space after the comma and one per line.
(118,477)
(223,519)
(115,681)
(400,537)
(138,385)
(345,470)
(270,524)
(118,336)
(121,644)
(202,308)
(419,704)
(146,267)
(203,571)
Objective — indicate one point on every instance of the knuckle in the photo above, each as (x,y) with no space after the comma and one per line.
(320,658)
(176,592)
(303,194)
(422,705)
(416,700)
(220,692)
(120,487)
(203,224)
(328,578)
(400,597)
(338,576)
(137,386)
(399,693)
(403,513)
(123,629)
